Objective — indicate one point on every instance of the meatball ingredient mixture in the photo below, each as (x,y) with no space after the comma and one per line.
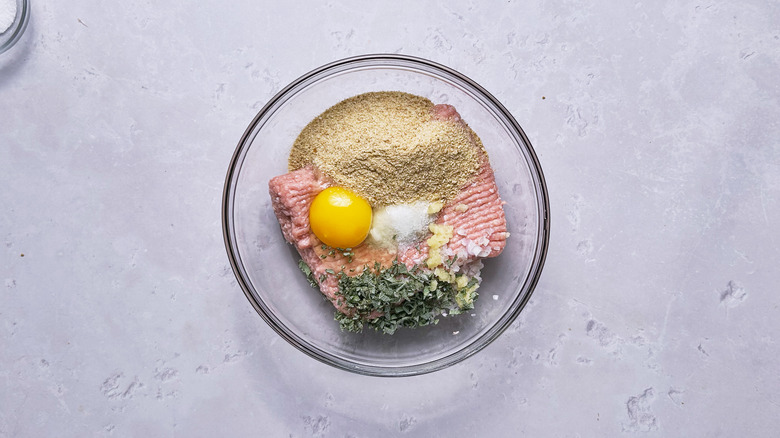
(391,203)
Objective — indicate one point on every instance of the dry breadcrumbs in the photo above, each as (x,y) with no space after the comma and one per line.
(387,147)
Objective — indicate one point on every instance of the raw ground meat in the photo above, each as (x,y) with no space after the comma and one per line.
(477,218)
(476,215)
(291,197)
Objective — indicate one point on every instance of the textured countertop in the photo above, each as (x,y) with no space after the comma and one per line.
(657,312)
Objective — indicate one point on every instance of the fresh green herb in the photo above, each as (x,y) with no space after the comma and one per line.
(451,261)
(307,272)
(346,252)
(401,297)
(387,299)
(466,296)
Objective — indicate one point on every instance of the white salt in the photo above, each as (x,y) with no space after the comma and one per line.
(7,14)
(400,223)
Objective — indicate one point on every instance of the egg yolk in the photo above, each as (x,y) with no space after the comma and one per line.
(340,218)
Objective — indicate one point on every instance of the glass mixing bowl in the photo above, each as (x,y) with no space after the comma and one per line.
(266,266)
(10,36)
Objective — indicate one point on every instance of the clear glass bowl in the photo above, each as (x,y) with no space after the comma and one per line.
(266,266)
(10,36)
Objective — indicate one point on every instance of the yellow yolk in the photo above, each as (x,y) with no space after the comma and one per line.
(340,218)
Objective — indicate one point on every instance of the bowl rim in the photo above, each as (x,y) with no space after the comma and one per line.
(467,350)
(16,32)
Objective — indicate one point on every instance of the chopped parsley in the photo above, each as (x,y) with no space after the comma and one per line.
(390,298)
(307,272)
(387,299)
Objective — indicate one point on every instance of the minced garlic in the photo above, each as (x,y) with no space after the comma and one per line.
(442,274)
(441,235)
(435,207)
